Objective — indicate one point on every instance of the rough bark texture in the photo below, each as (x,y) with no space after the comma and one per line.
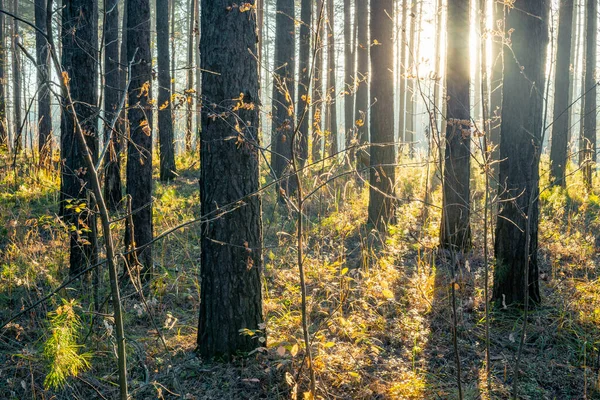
(331,140)
(165,116)
(362,72)
(41,52)
(79,62)
(139,113)
(520,147)
(455,230)
(562,79)
(112,97)
(3,83)
(231,294)
(16,77)
(317,90)
(306,16)
(283,90)
(349,73)
(589,123)
(382,171)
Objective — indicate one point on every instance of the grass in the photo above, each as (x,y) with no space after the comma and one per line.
(379,307)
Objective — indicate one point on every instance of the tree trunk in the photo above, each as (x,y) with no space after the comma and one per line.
(589,124)
(16,68)
(562,79)
(44,117)
(317,96)
(362,73)
(165,116)
(332,123)
(112,97)
(573,67)
(382,168)
(190,79)
(198,74)
(139,151)
(231,293)
(402,70)
(497,71)
(409,134)
(349,69)
(306,16)
(3,83)
(455,230)
(520,147)
(283,91)
(79,63)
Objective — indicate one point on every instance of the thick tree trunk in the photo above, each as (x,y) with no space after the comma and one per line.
(520,147)
(306,16)
(139,152)
(80,63)
(331,142)
(383,158)
(283,91)
(362,91)
(44,117)
(16,77)
(560,126)
(455,230)
(317,89)
(3,83)
(112,98)
(165,116)
(589,124)
(231,294)
(349,69)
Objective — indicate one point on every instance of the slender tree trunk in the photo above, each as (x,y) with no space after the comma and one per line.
(573,67)
(3,83)
(80,65)
(317,89)
(332,120)
(165,116)
(16,77)
(199,75)
(231,293)
(476,39)
(306,16)
(112,97)
(283,91)
(382,168)
(455,230)
(44,117)
(349,69)
(497,72)
(139,152)
(190,79)
(409,135)
(173,53)
(402,67)
(520,147)
(362,91)
(582,107)
(589,124)
(560,126)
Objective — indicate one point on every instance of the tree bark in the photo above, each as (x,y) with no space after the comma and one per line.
(139,151)
(44,117)
(283,91)
(112,98)
(497,72)
(3,83)
(190,79)
(382,161)
(363,76)
(402,69)
(231,293)
(409,134)
(331,139)
(306,16)
(349,69)
(165,116)
(589,124)
(455,230)
(562,79)
(317,93)
(520,147)
(16,76)
(79,63)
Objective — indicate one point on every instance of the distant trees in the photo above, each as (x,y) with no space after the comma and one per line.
(589,124)
(516,275)
(231,294)
(456,208)
(16,78)
(331,120)
(317,89)
(383,157)
(3,83)
(362,74)
(304,97)
(139,149)
(560,125)
(349,71)
(165,116)
(44,119)
(79,63)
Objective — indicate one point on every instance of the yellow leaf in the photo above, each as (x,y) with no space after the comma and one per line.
(388,294)
(294,350)
(344,271)
(329,345)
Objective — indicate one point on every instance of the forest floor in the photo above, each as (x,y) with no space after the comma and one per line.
(380,308)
